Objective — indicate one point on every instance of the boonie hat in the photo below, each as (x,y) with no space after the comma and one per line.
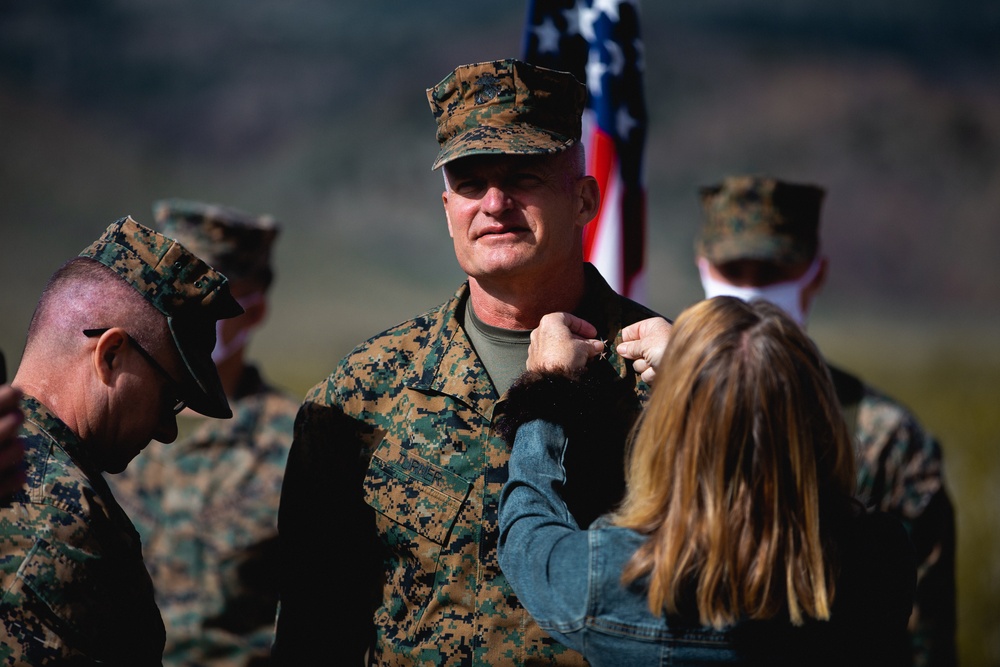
(759,218)
(235,243)
(506,107)
(191,294)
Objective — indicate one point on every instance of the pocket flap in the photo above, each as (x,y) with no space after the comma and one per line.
(411,491)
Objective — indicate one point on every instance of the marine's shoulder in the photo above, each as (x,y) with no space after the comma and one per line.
(373,369)
(53,477)
(633,311)
(381,357)
(599,292)
(413,331)
(878,412)
(875,400)
(61,504)
(881,417)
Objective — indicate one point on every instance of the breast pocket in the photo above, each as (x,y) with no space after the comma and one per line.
(417,504)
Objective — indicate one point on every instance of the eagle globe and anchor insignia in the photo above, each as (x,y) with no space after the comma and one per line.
(489,88)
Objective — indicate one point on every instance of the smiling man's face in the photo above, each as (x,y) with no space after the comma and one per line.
(515,214)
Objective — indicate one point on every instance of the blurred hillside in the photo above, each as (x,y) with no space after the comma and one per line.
(315,112)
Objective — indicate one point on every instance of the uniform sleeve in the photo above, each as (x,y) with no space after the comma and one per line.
(902,474)
(932,624)
(79,593)
(329,568)
(882,606)
(36,614)
(542,551)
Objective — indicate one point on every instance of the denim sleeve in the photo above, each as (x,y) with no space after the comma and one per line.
(543,552)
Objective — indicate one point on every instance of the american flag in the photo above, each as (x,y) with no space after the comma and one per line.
(598,41)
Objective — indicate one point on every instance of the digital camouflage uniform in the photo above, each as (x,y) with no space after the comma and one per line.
(900,472)
(74,587)
(206,508)
(388,515)
(75,591)
(899,464)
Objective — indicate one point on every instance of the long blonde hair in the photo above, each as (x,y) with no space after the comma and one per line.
(740,448)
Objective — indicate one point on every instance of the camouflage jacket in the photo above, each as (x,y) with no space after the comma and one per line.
(207,510)
(75,591)
(900,472)
(388,518)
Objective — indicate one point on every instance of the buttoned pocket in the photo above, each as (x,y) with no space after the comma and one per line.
(417,504)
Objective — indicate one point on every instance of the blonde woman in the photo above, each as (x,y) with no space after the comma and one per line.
(738,540)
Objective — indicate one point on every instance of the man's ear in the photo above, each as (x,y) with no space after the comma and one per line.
(106,357)
(590,199)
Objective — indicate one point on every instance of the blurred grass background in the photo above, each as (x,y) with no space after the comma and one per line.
(315,112)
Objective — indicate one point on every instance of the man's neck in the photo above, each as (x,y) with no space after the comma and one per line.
(59,391)
(521,306)
(230,372)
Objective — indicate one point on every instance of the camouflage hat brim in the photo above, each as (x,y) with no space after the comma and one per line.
(203,391)
(777,249)
(510,140)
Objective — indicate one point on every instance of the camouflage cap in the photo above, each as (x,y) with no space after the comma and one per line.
(191,294)
(506,107)
(234,243)
(761,218)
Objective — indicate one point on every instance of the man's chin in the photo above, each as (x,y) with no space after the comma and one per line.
(506,262)
(119,464)
(116,467)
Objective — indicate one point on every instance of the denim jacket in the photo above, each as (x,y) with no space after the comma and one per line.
(569,580)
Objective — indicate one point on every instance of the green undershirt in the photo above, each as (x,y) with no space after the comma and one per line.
(504,352)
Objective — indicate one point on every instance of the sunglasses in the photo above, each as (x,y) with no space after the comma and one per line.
(177,404)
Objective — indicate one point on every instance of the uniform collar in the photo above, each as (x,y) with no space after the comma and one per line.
(448,364)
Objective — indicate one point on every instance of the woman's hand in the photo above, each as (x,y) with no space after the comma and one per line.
(562,343)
